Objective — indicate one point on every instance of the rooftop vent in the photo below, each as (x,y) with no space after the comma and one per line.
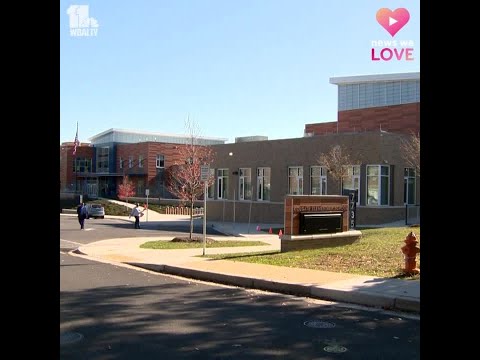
(250,138)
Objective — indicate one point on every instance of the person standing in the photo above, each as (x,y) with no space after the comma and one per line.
(136,213)
(82,215)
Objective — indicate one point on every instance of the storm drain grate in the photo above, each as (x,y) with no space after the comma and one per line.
(319,324)
(335,349)
(70,338)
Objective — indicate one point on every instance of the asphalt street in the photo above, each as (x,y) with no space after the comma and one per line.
(112,312)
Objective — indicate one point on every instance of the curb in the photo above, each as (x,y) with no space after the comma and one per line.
(363,298)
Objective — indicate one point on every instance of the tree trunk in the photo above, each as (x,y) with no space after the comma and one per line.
(191,219)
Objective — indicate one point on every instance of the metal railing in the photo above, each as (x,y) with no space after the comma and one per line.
(412,214)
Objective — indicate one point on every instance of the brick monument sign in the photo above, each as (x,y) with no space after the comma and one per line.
(313,221)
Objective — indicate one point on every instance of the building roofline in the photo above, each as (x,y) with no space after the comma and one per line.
(125,131)
(341,80)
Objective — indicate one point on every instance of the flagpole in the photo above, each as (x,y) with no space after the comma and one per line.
(75,168)
(75,143)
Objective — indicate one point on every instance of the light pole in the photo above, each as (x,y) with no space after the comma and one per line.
(234,192)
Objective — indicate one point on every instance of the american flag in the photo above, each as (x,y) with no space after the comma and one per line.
(76,142)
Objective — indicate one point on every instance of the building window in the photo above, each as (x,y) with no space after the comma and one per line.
(222,183)
(378,93)
(378,185)
(82,165)
(130,162)
(409,180)
(318,180)
(140,187)
(245,184)
(140,161)
(263,184)
(295,180)
(120,163)
(102,159)
(211,188)
(352,180)
(160,161)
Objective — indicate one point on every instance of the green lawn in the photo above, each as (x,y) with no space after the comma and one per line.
(377,253)
(162,244)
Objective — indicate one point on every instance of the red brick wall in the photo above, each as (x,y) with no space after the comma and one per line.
(67,176)
(149,150)
(403,118)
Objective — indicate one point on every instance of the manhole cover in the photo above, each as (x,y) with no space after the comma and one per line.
(319,324)
(70,338)
(335,349)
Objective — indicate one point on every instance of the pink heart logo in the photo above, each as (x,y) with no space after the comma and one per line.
(393,21)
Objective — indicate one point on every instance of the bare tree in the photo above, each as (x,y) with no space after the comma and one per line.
(336,161)
(183,177)
(410,148)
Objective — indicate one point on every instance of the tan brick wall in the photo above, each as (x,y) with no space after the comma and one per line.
(372,148)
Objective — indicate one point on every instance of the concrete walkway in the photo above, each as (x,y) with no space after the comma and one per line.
(393,294)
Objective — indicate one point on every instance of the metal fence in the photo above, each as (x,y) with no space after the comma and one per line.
(412,214)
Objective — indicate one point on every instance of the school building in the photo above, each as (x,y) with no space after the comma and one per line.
(376,114)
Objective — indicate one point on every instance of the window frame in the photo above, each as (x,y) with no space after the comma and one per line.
(297,176)
(222,185)
(379,177)
(352,178)
(261,186)
(242,181)
(406,177)
(158,161)
(321,178)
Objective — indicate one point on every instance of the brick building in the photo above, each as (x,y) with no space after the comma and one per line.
(376,113)
(114,153)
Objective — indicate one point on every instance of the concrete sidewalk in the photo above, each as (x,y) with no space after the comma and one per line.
(393,294)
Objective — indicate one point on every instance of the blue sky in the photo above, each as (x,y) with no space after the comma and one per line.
(235,67)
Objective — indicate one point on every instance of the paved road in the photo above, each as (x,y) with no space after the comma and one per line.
(112,312)
(100,229)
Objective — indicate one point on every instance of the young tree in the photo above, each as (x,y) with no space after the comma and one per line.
(411,152)
(183,178)
(336,161)
(125,189)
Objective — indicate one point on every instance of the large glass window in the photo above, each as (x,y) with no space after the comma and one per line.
(409,186)
(211,188)
(378,185)
(222,184)
(140,161)
(160,161)
(263,184)
(352,180)
(393,91)
(295,180)
(379,93)
(130,162)
(102,159)
(318,180)
(140,187)
(82,165)
(245,184)
(120,163)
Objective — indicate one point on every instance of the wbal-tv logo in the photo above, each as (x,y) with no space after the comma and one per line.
(81,24)
(393,22)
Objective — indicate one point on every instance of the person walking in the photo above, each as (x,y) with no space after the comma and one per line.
(82,215)
(136,213)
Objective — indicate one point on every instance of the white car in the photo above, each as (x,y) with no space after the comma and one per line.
(95,211)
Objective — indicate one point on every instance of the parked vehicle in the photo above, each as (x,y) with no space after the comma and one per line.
(95,211)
